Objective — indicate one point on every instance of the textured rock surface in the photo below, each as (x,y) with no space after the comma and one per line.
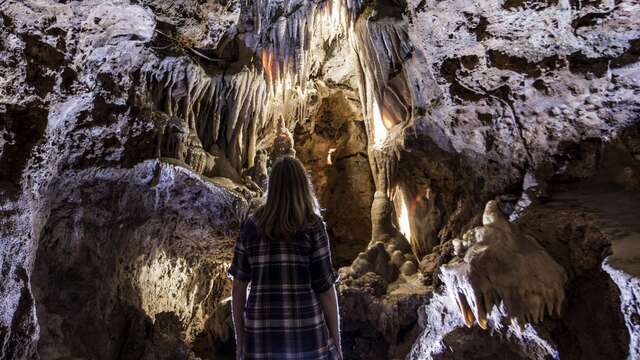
(628,286)
(133,133)
(572,236)
(615,210)
(104,254)
(380,294)
(526,86)
(532,288)
(333,146)
(122,248)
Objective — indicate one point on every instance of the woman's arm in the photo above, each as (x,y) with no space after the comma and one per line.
(329,302)
(238,299)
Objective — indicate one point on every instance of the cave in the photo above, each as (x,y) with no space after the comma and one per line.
(477,165)
(333,148)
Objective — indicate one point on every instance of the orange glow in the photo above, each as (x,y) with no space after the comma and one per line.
(267,63)
(406,204)
(387,118)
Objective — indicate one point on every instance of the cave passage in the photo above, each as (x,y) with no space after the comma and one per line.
(320,70)
(478,164)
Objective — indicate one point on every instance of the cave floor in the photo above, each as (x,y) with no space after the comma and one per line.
(619,211)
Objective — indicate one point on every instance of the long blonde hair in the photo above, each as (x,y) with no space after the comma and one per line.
(291,204)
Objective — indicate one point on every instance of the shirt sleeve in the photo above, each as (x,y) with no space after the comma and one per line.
(323,275)
(240,267)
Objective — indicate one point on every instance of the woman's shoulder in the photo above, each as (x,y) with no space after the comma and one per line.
(314,224)
(250,217)
(249,220)
(248,226)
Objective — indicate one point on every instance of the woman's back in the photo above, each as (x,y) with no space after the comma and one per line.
(283,317)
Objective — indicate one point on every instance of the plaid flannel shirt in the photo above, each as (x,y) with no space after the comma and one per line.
(283,316)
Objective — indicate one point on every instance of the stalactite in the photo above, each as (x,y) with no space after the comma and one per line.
(222,112)
(229,113)
(232,116)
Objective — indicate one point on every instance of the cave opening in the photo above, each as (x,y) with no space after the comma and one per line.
(332,145)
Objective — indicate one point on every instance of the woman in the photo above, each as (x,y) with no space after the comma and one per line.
(283,251)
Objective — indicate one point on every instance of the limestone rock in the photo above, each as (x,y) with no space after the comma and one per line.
(574,238)
(502,265)
(134,136)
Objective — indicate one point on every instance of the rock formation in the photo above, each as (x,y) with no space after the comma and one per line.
(136,135)
(575,238)
(502,265)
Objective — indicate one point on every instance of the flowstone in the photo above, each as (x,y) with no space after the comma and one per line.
(499,265)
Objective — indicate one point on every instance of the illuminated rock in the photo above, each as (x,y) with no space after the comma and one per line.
(498,264)
(573,236)
(410,116)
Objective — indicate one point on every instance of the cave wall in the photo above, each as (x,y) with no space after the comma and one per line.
(151,115)
(576,238)
(123,249)
(90,222)
(523,85)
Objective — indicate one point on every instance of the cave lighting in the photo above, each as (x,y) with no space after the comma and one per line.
(267,63)
(402,212)
(329,162)
(380,131)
